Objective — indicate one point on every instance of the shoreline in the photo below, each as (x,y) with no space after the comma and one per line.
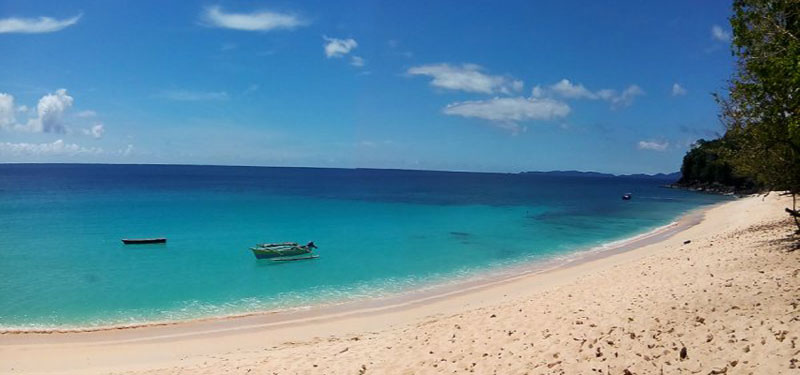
(724,290)
(428,291)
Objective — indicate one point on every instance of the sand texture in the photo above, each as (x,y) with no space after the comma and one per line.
(724,303)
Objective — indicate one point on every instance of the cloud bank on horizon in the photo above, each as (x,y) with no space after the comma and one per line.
(48,116)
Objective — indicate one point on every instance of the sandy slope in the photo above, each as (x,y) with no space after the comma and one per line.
(730,298)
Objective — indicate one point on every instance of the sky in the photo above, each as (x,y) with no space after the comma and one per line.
(611,86)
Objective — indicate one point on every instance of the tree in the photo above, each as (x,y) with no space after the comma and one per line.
(762,109)
(704,168)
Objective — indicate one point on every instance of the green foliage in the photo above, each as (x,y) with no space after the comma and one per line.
(704,167)
(762,109)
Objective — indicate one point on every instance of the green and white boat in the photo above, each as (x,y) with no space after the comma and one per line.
(285,251)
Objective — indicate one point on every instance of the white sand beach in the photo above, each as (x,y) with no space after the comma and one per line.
(725,302)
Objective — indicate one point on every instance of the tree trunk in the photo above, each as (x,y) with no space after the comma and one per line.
(794,208)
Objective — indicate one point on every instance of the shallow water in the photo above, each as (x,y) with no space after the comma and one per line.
(62,263)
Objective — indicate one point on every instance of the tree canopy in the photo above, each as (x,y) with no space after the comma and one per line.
(762,109)
(761,106)
(705,168)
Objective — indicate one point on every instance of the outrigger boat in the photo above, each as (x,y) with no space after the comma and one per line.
(285,251)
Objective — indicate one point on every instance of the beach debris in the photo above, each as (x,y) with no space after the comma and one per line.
(687,242)
(683,353)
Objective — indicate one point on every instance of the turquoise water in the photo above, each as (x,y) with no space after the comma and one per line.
(379,232)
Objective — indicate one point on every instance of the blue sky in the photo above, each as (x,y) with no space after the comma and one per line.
(618,86)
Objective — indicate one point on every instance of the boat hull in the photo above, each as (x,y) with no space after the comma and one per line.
(143,241)
(261,253)
(295,258)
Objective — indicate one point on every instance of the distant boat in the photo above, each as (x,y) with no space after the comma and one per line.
(143,241)
(285,251)
(627,196)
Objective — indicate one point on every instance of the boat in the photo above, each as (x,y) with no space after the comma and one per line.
(284,251)
(290,259)
(143,241)
(627,196)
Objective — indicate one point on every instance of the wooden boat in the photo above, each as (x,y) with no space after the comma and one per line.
(284,251)
(142,241)
(290,259)
(627,196)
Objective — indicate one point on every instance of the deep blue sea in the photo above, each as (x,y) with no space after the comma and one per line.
(379,232)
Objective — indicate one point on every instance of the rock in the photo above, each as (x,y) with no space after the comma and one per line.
(687,242)
(684,354)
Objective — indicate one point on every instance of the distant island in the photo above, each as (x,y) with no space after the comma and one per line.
(674,176)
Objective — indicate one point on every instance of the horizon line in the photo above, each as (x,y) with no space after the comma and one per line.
(346,168)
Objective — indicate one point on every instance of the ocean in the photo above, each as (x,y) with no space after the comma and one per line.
(379,233)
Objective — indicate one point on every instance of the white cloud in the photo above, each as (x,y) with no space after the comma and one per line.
(338,47)
(256,21)
(251,89)
(653,145)
(394,45)
(357,61)
(42,149)
(35,25)
(95,131)
(7,110)
(607,94)
(678,90)
(193,96)
(627,97)
(467,77)
(506,112)
(86,114)
(537,92)
(566,89)
(127,151)
(718,33)
(48,117)
(50,111)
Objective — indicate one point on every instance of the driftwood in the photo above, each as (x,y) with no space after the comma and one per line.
(793,213)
